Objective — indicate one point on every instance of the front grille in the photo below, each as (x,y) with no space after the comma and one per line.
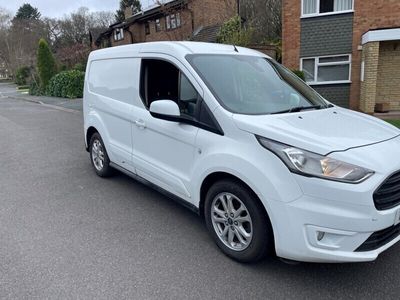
(388,194)
(380,238)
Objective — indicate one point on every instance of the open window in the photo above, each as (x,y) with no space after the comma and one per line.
(312,8)
(161,80)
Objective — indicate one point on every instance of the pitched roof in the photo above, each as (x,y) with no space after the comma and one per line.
(206,34)
(154,10)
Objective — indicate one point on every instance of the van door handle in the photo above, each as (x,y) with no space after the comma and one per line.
(140,124)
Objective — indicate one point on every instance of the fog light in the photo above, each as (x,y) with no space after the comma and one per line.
(320,235)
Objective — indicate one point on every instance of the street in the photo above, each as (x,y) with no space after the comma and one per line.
(66,233)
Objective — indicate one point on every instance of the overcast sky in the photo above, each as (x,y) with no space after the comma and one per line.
(57,8)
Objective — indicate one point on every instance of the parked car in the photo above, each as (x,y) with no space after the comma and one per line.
(271,165)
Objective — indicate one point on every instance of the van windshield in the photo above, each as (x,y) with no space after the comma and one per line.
(254,85)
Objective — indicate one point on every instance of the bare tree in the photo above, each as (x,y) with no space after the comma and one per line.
(19,37)
(71,34)
(74,28)
(5,22)
(265,17)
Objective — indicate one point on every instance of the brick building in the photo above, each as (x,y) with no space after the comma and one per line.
(349,50)
(198,20)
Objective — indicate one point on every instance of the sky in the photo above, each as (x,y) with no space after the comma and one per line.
(58,8)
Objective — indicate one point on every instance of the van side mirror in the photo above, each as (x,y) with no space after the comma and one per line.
(165,110)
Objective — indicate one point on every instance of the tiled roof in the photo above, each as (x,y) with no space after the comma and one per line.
(206,34)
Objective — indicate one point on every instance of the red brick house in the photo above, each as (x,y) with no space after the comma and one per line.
(174,20)
(348,49)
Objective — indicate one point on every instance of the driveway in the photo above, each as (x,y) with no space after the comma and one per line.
(66,233)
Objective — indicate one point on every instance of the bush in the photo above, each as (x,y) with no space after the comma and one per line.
(21,75)
(80,67)
(46,64)
(34,89)
(300,74)
(232,33)
(67,84)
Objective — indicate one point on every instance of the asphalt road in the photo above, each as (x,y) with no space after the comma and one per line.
(66,233)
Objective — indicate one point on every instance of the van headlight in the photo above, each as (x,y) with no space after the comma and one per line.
(311,164)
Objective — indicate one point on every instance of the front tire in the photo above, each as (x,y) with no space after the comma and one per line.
(238,222)
(99,156)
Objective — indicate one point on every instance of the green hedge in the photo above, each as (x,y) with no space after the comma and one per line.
(67,84)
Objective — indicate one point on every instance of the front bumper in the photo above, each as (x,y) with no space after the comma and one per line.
(331,222)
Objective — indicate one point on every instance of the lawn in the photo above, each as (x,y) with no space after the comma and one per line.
(394,122)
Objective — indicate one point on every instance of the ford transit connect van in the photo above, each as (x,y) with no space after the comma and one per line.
(271,165)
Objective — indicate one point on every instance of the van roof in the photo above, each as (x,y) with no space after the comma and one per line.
(176,49)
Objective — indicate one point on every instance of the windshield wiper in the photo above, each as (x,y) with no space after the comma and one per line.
(299,108)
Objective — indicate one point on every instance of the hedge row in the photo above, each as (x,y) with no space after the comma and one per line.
(67,84)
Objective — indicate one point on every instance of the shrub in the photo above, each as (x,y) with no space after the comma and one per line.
(300,74)
(232,33)
(21,75)
(46,64)
(80,67)
(34,87)
(67,84)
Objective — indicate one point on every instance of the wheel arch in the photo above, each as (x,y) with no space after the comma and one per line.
(216,176)
(89,133)
(220,175)
(93,124)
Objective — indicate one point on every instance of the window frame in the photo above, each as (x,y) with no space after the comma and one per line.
(157,25)
(318,14)
(118,34)
(317,64)
(176,16)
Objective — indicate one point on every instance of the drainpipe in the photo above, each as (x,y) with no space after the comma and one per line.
(238,7)
(191,16)
(130,33)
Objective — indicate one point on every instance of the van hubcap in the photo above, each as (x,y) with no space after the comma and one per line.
(231,221)
(98,155)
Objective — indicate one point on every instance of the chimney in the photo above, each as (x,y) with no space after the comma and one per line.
(128,12)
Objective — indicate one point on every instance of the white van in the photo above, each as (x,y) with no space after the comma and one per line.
(271,165)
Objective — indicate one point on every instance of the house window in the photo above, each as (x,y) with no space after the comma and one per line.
(158,25)
(327,69)
(118,34)
(311,8)
(173,21)
(147,28)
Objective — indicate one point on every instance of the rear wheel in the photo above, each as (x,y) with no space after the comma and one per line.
(99,157)
(238,222)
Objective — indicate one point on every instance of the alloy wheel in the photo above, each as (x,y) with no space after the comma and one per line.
(231,221)
(98,155)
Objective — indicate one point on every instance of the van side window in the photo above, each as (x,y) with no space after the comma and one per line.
(161,80)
